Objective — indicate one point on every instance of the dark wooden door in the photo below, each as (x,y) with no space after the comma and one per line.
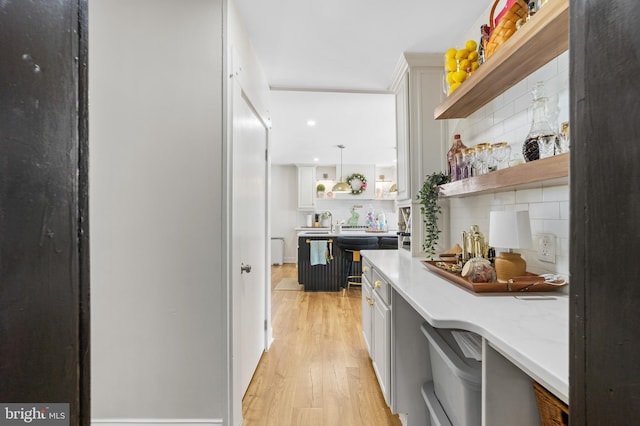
(44,282)
(605,212)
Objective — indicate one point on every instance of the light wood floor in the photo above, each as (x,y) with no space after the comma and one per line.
(317,371)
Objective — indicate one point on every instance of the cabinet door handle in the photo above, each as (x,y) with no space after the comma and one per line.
(365,269)
(377,284)
(370,302)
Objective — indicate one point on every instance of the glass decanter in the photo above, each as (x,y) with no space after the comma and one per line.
(542,141)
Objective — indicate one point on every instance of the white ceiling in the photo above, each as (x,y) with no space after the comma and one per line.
(363,123)
(343,45)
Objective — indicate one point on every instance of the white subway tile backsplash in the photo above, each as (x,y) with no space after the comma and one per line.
(559,228)
(504,113)
(495,104)
(563,101)
(561,266)
(564,210)
(482,126)
(508,197)
(519,120)
(516,91)
(562,246)
(537,226)
(533,195)
(522,102)
(544,211)
(518,207)
(556,84)
(543,74)
(555,193)
(553,111)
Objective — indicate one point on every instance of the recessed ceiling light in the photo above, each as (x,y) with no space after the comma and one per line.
(311,123)
(316,159)
(395,160)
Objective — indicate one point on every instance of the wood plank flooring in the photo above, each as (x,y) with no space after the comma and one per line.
(317,371)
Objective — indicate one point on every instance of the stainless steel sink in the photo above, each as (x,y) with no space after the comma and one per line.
(317,232)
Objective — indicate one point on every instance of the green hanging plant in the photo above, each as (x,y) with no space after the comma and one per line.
(430,210)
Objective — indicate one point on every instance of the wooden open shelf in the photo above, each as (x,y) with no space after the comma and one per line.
(550,171)
(543,38)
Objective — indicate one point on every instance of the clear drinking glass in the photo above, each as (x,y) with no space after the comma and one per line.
(460,166)
(547,146)
(564,137)
(468,156)
(491,163)
(482,157)
(501,152)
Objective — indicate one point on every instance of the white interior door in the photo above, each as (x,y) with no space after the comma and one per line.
(249,237)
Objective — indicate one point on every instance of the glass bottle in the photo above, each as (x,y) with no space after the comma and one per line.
(453,169)
(542,141)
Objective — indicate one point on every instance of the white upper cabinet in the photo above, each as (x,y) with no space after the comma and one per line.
(306,187)
(421,148)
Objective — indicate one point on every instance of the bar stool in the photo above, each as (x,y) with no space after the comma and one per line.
(352,246)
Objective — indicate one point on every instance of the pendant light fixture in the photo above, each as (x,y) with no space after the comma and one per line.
(341,186)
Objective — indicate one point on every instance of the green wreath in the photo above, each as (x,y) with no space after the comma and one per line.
(363,183)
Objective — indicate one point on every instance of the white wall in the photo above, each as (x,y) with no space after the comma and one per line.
(508,118)
(284,203)
(156,202)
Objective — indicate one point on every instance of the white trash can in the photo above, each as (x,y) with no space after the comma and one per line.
(277,251)
(457,380)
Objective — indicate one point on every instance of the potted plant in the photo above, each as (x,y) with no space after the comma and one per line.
(430,209)
(320,190)
(324,219)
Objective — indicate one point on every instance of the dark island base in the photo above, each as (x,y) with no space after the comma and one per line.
(332,276)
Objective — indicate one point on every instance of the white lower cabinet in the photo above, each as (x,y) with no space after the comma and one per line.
(381,347)
(376,328)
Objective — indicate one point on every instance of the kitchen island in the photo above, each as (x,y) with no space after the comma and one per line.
(525,337)
(331,276)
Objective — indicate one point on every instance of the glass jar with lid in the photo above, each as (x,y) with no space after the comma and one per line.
(542,140)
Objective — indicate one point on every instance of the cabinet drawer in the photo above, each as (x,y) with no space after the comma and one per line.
(381,287)
(367,270)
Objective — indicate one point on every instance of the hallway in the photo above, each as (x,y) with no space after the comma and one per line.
(317,371)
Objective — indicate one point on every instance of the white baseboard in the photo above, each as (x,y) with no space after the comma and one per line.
(156,422)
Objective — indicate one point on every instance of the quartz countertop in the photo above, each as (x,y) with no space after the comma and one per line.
(531,330)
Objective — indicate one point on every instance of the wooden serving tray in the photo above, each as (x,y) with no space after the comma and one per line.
(530,284)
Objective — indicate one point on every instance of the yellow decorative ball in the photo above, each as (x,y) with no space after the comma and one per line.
(451,65)
(471,45)
(462,54)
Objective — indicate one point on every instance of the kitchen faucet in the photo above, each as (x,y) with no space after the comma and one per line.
(331,223)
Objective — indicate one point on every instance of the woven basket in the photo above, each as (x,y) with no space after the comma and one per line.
(553,412)
(515,10)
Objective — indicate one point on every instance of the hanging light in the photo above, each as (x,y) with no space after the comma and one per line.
(341,186)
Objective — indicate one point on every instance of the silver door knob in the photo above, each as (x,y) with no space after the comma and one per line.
(245,268)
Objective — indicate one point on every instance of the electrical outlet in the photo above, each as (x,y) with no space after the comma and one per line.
(547,248)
